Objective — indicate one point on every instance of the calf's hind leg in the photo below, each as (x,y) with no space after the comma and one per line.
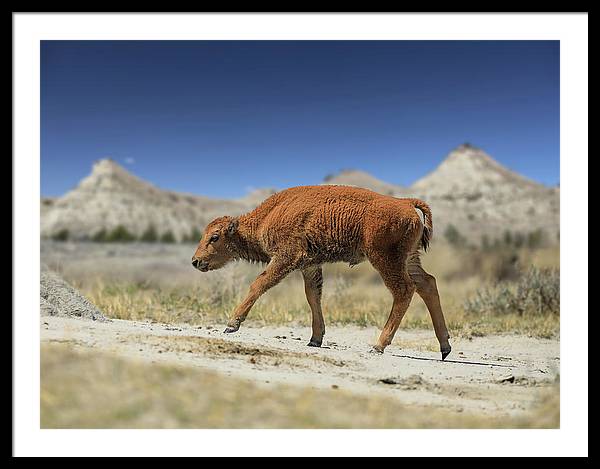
(398,281)
(313,287)
(427,289)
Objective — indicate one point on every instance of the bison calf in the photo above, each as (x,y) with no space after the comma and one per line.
(302,228)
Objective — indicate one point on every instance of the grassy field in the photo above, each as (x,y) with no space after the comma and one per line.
(89,389)
(157,283)
(483,293)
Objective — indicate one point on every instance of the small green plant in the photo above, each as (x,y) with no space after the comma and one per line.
(119,234)
(454,237)
(508,238)
(167,237)
(150,235)
(193,237)
(506,265)
(535,239)
(99,236)
(196,235)
(518,240)
(62,235)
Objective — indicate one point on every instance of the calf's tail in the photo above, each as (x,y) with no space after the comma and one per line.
(427,222)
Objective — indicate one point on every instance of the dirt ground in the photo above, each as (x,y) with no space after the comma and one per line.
(492,375)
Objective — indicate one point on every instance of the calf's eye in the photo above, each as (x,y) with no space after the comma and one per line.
(214,238)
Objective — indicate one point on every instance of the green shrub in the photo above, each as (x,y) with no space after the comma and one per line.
(454,237)
(150,235)
(119,234)
(196,235)
(167,237)
(485,243)
(99,236)
(537,292)
(535,239)
(508,238)
(505,265)
(62,235)
(518,240)
(193,237)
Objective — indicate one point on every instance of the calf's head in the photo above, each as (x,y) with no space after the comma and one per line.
(215,248)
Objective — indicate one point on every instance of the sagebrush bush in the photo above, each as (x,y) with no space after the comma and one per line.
(193,237)
(532,240)
(167,237)
(99,236)
(493,265)
(537,292)
(454,237)
(62,235)
(150,235)
(535,239)
(119,234)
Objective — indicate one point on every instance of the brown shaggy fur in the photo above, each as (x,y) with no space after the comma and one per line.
(302,228)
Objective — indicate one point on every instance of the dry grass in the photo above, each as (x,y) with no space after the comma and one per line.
(94,390)
(351,305)
(536,293)
(157,283)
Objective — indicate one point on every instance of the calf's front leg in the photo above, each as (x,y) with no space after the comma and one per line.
(273,274)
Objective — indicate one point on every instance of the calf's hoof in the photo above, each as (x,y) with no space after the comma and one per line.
(230,329)
(314,343)
(445,352)
(376,350)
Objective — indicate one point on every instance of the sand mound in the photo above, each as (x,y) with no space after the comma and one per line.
(58,298)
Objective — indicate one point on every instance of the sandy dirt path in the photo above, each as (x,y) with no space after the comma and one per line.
(495,375)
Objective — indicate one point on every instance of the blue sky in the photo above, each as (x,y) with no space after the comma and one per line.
(221,117)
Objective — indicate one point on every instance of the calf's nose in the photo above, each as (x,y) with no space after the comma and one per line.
(195,263)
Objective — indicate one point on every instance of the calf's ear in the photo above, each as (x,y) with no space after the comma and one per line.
(233,225)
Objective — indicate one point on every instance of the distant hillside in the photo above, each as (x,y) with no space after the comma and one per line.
(478,195)
(110,196)
(351,177)
(469,190)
